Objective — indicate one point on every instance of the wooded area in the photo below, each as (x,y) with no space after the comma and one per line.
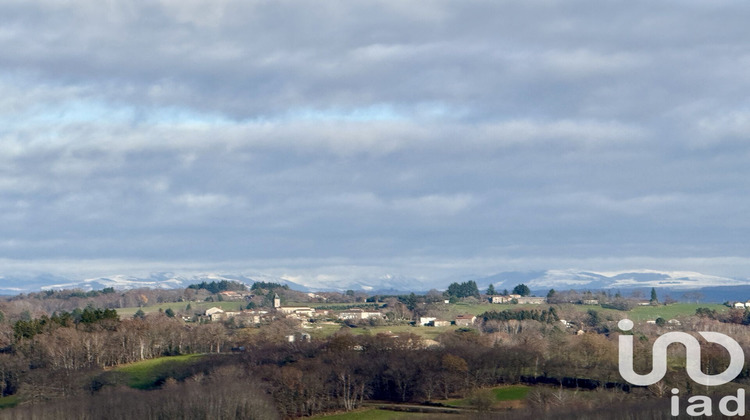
(64,365)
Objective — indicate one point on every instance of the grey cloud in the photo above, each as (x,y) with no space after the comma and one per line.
(259,58)
(540,132)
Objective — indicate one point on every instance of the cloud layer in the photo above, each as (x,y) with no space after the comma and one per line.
(239,132)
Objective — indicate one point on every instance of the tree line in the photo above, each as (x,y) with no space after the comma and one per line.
(220,286)
(544,315)
(272,378)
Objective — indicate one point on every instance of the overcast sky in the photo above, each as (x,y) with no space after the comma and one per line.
(326,138)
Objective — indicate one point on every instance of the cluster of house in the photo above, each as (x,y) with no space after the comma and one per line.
(741,305)
(459,321)
(670,322)
(218,314)
(256,316)
(299,312)
(306,312)
(232,295)
(513,298)
(568,324)
(358,314)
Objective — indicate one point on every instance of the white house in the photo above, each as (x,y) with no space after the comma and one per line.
(499,299)
(503,298)
(357,313)
(304,311)
(214,313)
(218,314)
(532,300)
(465,320)
(425,320)
(590,301)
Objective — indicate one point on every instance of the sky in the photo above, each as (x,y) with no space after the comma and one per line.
(326,139)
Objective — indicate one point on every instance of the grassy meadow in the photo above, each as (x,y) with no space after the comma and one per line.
(378,414)
(644,313)
(505,397)
(501,394)
(8,402)
(146,374)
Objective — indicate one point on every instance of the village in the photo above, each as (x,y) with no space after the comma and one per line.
(467,341)
(309,318)
(307,315)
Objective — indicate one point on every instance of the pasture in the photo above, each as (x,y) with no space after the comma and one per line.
(148,374)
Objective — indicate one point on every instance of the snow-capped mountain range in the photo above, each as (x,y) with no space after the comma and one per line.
(11,285)
(577,279)
(535,280)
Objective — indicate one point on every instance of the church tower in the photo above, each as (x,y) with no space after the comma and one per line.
(276,300)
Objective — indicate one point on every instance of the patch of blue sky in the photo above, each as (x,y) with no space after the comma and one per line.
(374,113)
(82,111)
(180,116)
(68,112)
(439,110)
(380,112)
(184,116)
(96,112)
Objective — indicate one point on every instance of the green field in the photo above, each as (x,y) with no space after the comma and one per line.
(8,402)
(424,332)
(333,306)
(639,313)
(147,373)
(511,393)
(378,414)
(644,313)
(322,330)
(502,393)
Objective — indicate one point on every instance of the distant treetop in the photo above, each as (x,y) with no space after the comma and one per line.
(491,289)
(461,290)
(220,286)
(267,286)
(522,290)
(71,293)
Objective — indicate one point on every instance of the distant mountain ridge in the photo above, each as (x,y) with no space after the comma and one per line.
(535,280)
(160,280)
(577,279)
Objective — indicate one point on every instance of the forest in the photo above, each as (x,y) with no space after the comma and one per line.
(66,364)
